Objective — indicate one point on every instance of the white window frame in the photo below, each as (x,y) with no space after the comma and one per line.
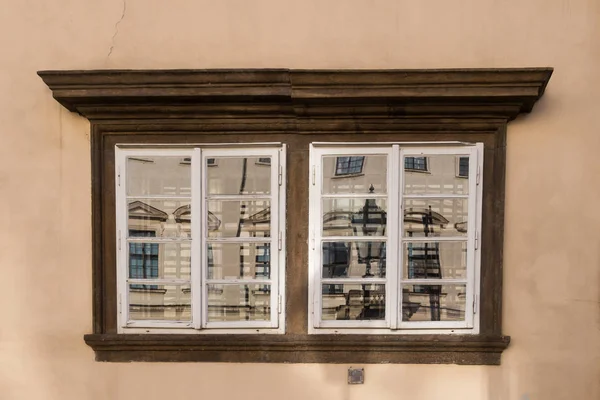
(199,263)
(393,323)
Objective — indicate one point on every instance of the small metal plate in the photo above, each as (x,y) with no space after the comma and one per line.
(356,376)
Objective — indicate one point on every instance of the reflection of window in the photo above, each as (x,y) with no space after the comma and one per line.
(264,161)
(224,207)
(349,165)
(336,260)
(415,163)
(463,167)
(263,265)
(359,279)
(143,259)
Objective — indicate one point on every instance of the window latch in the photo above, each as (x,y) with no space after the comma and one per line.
(280,175)
(280,241)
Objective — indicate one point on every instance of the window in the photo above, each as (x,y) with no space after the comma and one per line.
(374,268)
(415,163)
(349,165)
(171,211)
(150,113)
(463,167)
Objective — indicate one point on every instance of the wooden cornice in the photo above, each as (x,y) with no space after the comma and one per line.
(281,93)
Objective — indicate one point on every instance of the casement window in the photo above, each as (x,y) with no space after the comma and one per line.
(199,248)
(393,251)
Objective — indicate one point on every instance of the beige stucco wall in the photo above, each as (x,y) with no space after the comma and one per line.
(552,261)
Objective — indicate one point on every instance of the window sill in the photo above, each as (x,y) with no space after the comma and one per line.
(339,349)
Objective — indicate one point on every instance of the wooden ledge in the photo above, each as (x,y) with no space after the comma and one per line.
(122,94)
(341,349)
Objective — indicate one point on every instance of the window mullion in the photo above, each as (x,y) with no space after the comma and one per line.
(198,241)
(393,303)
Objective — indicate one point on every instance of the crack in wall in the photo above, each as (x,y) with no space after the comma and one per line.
(114,37)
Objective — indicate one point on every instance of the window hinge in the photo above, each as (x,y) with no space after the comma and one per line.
(476,240)
(279,301)
(119,176)
(478,175)
(280,175)
(312,240)
(474,304)
(314,174)
(119,240)
(280,241)
(120,306)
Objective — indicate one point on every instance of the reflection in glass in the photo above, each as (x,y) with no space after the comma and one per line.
(435,260)
(234,302)
(435,217)
(239,261)
(433,302)
(151,176)
(159,260)
(239,175)
(443,175)
(160,302)
(353,302)
(415,163)
(240,218)
(354,217)
(354,174)
(354,259)
(165,218)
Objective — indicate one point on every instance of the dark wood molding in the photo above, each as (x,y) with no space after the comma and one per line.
(102,94)
(415,349)
(297,108)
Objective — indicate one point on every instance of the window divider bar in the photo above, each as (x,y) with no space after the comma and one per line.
(354,281)
(435,196)
(238,197)
(435,239)
(238,281)
(179,282)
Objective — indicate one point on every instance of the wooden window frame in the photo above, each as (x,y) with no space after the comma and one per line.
(297,107)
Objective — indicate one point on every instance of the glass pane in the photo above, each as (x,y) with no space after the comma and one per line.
(435,260)
(227,303)
(355,174)
(160,218)
(239,218)
(433,302)
(160,302)
(354,217)
(435,217)
(353,302)
(159,260)
(239,175)
(151,176)
(354,259)
(239,260)
(442,175)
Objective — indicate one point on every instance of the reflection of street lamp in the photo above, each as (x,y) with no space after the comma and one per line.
(370,220)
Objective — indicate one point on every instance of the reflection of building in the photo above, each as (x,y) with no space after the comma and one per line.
(158,218)
(423,218)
